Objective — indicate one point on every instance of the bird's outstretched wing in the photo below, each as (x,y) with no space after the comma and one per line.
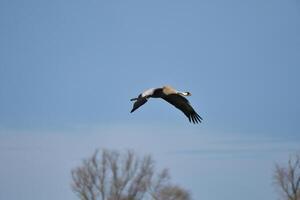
(138,103)
(183,104)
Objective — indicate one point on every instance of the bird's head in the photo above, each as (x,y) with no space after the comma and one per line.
(188,94)
(185,93)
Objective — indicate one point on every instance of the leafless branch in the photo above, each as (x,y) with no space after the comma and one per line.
(287,178)
(110,175)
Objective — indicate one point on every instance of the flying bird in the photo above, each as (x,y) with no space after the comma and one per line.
(172,96)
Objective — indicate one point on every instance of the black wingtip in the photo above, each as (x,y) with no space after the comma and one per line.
(195,118)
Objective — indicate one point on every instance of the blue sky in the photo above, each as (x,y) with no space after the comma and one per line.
(69,68)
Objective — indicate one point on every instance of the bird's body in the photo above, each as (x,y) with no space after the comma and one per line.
(170,95)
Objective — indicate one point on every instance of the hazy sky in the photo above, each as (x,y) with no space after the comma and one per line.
(69,68)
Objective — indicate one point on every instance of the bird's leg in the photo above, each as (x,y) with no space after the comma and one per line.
(133,99)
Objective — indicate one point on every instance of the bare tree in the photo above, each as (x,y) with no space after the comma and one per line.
(109,175)
(172,193)
(287,178)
